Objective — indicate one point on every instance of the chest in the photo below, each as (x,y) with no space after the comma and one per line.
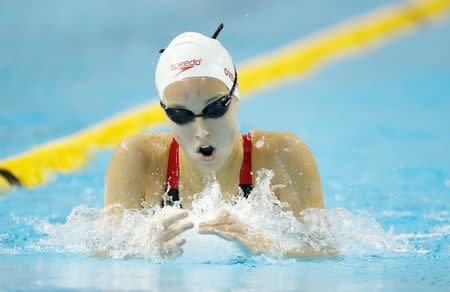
(189,190)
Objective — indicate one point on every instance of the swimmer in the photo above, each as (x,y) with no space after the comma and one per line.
(198,86)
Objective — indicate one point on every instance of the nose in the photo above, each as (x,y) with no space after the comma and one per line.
(201,129)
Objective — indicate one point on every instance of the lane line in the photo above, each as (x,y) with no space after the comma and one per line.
(291,62)
(345,39)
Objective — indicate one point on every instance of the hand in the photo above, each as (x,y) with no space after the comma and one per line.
(170,242)
(231,228)
(228,227)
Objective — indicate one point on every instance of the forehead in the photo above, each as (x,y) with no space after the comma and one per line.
(194,89)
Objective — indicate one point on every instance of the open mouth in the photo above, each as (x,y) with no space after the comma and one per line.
(206,150)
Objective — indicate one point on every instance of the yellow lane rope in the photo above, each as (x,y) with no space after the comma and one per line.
(70,153)
(359,33)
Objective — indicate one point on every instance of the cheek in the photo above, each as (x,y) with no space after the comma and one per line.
(183,134)
(223,128)
(231,121)
(225,131)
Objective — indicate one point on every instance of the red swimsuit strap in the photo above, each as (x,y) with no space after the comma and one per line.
(173,173)
(173,168)
(246,168)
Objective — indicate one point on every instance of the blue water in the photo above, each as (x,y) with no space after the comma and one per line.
(377,123)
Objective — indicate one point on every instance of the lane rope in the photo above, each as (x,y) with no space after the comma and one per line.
(37,166)
(9,177)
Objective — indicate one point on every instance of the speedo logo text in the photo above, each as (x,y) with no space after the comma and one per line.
(185,65)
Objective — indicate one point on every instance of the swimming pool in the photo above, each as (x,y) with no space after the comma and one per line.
(376,122)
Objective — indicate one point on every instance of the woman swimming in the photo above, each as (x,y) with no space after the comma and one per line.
(198,88)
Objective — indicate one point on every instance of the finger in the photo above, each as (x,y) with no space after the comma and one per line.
(174,243)
(204,225)
(174,253)
(223,213)
(230,236)
(220,233)
(221,216)
(176,229)
(216,222)
(170,219)
(225,235)
(205,230)
(226,227)
(208,224)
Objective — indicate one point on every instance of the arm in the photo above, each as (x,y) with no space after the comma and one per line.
(135,174)
(124,179)
(229,227)
(294,167)
(137,171)
(298,163)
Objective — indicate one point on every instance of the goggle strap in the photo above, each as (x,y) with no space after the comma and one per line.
(218,30)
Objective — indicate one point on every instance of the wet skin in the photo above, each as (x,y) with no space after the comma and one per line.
(136,176)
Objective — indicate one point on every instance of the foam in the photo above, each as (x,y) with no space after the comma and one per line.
(134,234)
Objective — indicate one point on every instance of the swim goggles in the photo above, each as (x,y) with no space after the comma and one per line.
(214,110)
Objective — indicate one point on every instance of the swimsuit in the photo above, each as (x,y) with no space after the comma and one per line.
(173,170)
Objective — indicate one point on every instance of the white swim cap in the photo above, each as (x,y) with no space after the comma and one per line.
(192,54)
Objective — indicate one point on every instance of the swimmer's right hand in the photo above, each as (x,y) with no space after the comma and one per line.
(170,241)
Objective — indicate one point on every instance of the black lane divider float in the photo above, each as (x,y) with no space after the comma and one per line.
(10,178)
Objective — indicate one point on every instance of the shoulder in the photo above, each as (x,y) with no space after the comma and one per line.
(281,143)
(142,153)
(149,146)
(293,164)
(271,148)
(138,165)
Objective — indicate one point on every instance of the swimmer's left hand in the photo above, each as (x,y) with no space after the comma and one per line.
(228,227)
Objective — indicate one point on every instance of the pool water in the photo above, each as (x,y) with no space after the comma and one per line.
(377,123)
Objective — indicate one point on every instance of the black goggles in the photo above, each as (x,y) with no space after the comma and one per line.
(214,110)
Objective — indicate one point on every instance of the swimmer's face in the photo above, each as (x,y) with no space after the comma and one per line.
(194,94)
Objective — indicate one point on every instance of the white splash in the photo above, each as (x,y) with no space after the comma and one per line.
(98,232)
(259,143)
(135,233)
